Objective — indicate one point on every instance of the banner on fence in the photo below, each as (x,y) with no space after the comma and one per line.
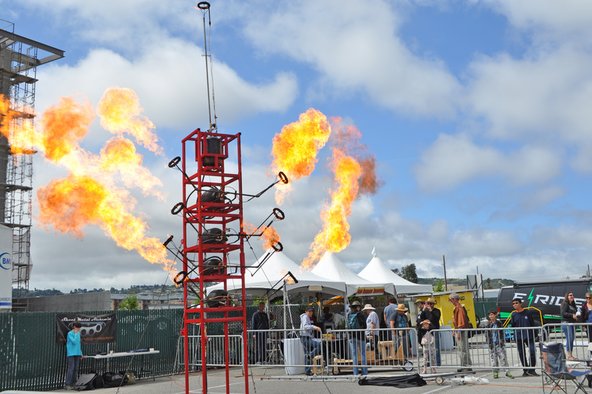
(5,268)
(100,328)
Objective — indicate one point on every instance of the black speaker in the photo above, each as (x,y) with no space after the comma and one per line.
(213,266)
(213,194)
(213,146)
(217,298)
(213,236)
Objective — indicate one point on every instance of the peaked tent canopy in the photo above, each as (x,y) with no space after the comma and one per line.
(270,276)
(376,269)
(330,267)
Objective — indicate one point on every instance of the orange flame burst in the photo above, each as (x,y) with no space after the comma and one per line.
(119,155)
(70,204)
(90,195)
(295,148)
(64,126)
(335,236)
(120,112)
(12,121)
(270,237)
(352,176)
(269,234)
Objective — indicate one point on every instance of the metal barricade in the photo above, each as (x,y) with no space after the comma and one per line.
(381,349)
(214,351)
(509,349)
(575,338)
(333,351)
(266,347)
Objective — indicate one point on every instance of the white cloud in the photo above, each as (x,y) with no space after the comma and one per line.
(544,97)
(172,99)
(355,55)
(455,159)
(549,20)
(132,26)
(477,242)
(543,93)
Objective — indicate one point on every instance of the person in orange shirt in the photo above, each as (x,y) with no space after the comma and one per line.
(460,321)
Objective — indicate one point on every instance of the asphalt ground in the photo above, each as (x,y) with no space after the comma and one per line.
(264,380)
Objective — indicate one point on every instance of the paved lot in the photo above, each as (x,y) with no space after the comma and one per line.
(273,381)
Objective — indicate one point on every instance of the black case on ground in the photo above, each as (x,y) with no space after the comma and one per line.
(88,381)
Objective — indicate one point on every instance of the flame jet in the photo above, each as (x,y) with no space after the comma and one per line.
(296,147)
(295,151)
(91,194)
(352,176)
(335,235)
(120,112)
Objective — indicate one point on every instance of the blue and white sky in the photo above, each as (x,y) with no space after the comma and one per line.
(475,112)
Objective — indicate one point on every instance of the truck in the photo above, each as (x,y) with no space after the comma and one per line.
(545,296)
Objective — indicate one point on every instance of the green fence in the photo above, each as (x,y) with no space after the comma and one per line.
(31,359)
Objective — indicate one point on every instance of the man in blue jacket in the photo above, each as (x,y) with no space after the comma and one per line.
(73,355)
(523,319)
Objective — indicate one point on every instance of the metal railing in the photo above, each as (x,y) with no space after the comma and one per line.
(481,349)
(31,359)
(215,351)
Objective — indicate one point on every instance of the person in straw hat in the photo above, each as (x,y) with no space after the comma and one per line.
(399,324)
(372,326)
(428,345)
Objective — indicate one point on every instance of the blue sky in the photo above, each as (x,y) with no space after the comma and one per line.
(477,114)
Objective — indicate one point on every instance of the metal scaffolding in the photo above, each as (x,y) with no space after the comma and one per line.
(213,245)
(19,59)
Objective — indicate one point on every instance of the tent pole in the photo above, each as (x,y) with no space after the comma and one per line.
(285,314)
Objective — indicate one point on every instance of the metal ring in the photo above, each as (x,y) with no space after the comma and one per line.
(278,247)
(278,213)
(177,208)
(174,162)
(283,177)
(179,281)
(203,5)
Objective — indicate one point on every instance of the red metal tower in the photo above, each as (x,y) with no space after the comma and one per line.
(213,249)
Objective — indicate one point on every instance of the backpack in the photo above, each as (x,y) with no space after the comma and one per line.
(470,331)
(356,321)
(401,321)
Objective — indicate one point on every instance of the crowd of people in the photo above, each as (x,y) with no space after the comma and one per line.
(366,324)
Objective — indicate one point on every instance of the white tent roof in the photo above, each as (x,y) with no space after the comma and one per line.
(330,267)
(261,279)
(377,270)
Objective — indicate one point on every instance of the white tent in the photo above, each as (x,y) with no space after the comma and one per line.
(376,269)
(270,276)
(330,267)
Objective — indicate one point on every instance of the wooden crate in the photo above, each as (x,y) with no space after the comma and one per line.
(318,365)
(339,364)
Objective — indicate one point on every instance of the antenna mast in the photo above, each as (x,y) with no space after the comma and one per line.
(204,6)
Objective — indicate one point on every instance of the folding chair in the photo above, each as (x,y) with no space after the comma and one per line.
(556,372)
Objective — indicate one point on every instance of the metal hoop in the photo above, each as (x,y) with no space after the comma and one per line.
(174,162)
